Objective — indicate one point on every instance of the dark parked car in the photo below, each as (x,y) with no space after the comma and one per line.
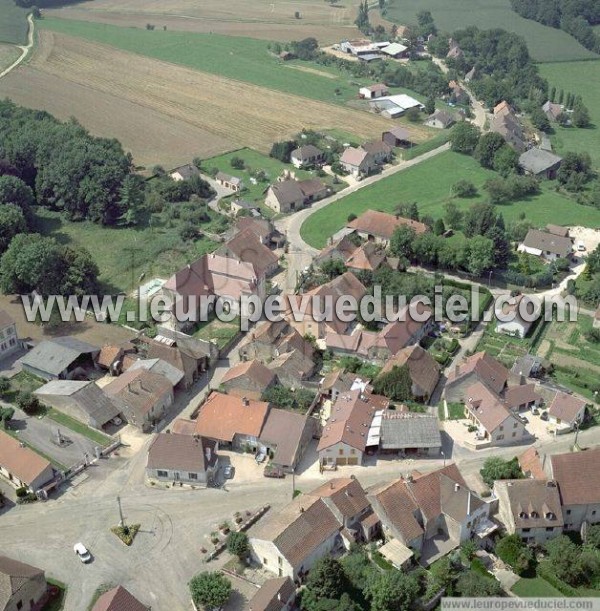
(544,416)
(228,471)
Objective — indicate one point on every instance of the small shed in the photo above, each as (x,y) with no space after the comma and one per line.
(397,553)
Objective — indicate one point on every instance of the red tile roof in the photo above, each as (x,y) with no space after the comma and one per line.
(488,370)
(531,464)
(566,407)
(222,416)
(486,406)
(119,599)
(578,476)
(20,461)
(383,225)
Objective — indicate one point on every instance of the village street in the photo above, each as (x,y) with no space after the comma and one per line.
(176,523)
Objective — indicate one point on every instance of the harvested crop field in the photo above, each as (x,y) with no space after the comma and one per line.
(261,19)
(164,113)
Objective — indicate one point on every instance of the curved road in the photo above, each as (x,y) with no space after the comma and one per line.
(300,254)
(24,48)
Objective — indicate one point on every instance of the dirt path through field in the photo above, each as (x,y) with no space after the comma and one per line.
(24,49)
(133,98)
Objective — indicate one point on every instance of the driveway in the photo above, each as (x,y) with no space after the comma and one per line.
(42,434)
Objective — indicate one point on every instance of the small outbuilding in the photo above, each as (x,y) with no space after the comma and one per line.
(539,162)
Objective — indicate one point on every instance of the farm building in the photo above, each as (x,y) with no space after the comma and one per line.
(397,136)
(83,401)
(229,182)
(9,340)
(60,358)
(540,163)
(373,91)
(552,110)
(379,227)
(410,433)
(395,50)
(291,194)
(512,316)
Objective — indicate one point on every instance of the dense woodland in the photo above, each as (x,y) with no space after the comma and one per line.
(575,17)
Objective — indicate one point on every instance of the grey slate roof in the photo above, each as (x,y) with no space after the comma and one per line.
(306,152)
(400,431)
(14,576)
(537,161)
(170,372)
(541,240)
(55,355)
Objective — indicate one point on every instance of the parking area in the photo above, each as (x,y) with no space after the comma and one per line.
(43,435)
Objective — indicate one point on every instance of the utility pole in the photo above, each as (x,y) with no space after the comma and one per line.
(293,482)
(121,520)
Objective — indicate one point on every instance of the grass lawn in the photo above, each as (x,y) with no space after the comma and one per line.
(456,411)
(503,347)
(218,331)
(79,427)
(545,43)
(25,382)
(429,184)
(13,23)
(529,587)
(244,59)
(580,78)
(157,251)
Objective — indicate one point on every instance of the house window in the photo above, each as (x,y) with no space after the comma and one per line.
(514,434)
(162,473)
(341,451)
(280,561)
(568,512)
(549,529)
(501,428)
(594,512)
(20,604)
(353,451)
(193,475)
(515,425)
(500,437)
(526,530)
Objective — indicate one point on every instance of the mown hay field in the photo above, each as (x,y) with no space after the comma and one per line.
(13,23)
(262,19)
(164,113)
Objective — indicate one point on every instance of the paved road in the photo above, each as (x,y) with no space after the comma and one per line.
(24,48)
(175,523)
(41,433)
(300,253)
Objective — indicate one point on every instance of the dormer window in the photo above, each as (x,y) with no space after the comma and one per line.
(535,514)
(550,516)
(523,515)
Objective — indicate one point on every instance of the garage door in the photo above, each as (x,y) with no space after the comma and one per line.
(342,461)
(353,460)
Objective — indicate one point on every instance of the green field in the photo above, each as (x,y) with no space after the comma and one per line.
(13,23)
(528,587)
(157,250)
(244,59)
(545,43)
(580,78)
(429,184)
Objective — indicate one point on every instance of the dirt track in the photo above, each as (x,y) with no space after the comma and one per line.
(164,113)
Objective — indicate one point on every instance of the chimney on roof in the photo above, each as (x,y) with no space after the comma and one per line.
(409,478)
(456,487)
(245,401)
(279,596)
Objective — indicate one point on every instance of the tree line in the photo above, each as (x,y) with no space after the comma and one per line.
(576,17)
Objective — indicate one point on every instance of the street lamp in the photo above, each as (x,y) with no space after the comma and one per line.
(490,278)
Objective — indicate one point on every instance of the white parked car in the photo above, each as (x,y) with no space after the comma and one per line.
(117,421)
(81,550)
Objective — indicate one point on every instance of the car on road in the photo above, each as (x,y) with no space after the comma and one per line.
(260,457)
(81,550)
(544,416)
(524,419)
(228,472)
(535,411)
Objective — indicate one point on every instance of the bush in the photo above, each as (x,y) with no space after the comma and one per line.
(464,188)
(28,403)
(22,492)
(237,163)
(515,553)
